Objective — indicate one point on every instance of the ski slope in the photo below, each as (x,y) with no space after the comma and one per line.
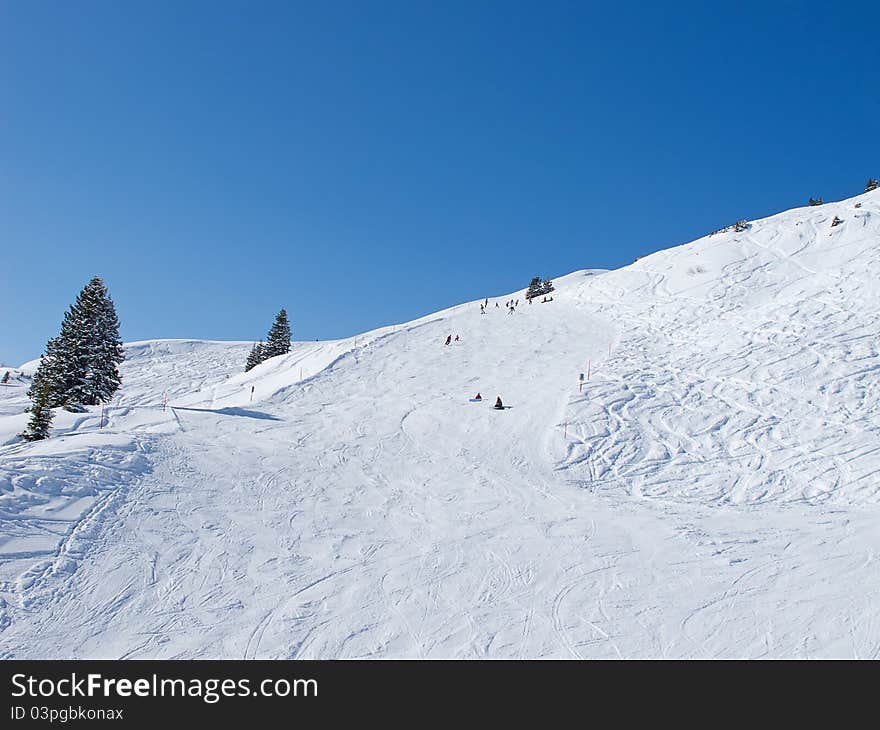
(712,491)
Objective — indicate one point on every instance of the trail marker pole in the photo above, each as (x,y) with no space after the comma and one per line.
(101,424)
(252,393)
(565,430)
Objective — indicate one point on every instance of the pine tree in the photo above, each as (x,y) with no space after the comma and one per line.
(90,347)
(255,357)
(80,366)
(871,185)
(534,289)
(278,339)
(41,416)
(816,201)
(547,286)
(5,378)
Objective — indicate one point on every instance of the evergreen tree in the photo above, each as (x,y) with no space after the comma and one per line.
(41,416)
(871,185)
(278,339)
(5,378)
(80,366)
(255,357)
(534,289)
(816,201)
(547,286)
(91,348)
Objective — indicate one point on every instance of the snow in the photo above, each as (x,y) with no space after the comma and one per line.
(712,491)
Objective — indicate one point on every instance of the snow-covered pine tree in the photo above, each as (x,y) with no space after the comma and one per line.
(546,286)
(5,378)
(278,339)
(90,347)
(534,289)
(41,416)
(872,184)
(80,366)
(255,357)
(816,201)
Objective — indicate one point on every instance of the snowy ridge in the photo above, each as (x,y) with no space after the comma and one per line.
(712,490)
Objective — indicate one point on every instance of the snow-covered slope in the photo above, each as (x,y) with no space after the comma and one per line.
(712,490)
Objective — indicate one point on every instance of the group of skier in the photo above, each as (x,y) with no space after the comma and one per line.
(498,404)
(510,305)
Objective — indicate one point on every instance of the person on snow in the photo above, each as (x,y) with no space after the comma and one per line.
(496,305)
(449,339)
(478,397)
(498,404)
(511,310)
(456,338)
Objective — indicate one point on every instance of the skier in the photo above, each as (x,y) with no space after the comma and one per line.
(449,339)
(511,310)
(456,338)
(496,305)
(478,397)
(498,404)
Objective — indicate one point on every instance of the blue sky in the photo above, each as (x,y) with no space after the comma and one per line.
(369,162)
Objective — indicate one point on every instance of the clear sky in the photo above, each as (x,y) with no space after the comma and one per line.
(364,163)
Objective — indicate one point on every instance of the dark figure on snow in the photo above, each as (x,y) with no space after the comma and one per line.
(498,404)
(456,338)
(496,304)
(478,397)
(449,339)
